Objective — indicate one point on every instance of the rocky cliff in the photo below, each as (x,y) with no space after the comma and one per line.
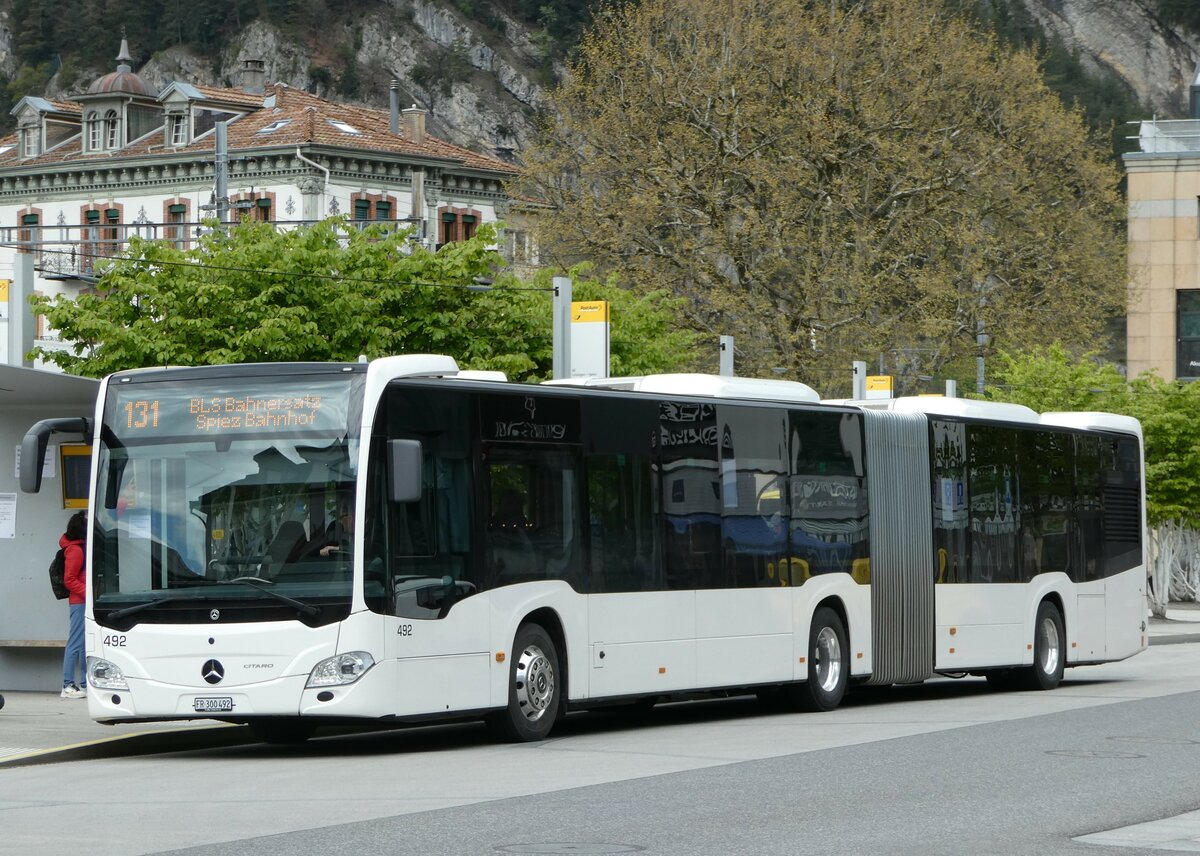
(1157,62)
(483,86)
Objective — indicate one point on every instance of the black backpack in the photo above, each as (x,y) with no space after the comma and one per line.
(58,568)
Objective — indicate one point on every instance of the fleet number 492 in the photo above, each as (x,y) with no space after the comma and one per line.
(115,641)
(404,630)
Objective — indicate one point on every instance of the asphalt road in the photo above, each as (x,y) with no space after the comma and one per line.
(949,767)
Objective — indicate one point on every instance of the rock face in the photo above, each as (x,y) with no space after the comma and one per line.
(1127,36)
(493,107)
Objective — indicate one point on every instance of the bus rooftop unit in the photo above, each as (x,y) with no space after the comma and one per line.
(287,545)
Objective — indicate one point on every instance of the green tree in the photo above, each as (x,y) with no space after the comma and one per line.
(831,181)
(645,334)
(251,293)
(1051,379)
(1167,411)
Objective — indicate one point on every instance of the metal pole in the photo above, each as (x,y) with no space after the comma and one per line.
(221,163)
(726,360)
(21,322)
(859,368)
(981,340)
(951,389)
(562,328)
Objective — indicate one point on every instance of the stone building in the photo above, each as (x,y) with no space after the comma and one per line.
(1164,247)
(80,176)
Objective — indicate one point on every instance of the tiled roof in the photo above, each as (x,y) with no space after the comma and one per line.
(66,106)
(293,117)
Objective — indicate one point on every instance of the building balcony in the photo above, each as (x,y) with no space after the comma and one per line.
(1167,136)
(79,253)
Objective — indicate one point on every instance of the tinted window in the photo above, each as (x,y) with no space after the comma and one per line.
(991,497)
(828,494)
(1121,498)
(951,520)
(1089,506)
(533,516)
(753,490)
(691,494)
(621,495)
(1046,491)
(419,557)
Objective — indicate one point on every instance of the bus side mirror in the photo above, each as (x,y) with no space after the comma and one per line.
(404,470)
(33,446)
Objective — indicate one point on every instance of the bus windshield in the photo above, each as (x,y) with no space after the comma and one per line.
(227,501)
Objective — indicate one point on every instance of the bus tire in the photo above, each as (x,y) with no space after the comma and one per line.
(1049,650)
(282,730)
(534,688)
(828,664)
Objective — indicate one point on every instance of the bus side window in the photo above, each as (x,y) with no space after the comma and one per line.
(533,530)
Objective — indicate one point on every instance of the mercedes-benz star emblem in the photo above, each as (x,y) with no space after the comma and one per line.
(212,671)
(215,615)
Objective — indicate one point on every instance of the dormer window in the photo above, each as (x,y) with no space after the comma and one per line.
(112,130)
(95,132)
(29,141)
(178,128)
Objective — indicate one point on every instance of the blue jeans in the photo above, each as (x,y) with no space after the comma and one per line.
(75,653)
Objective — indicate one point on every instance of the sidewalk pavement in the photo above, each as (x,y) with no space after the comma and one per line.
(41,727)
(1182,624)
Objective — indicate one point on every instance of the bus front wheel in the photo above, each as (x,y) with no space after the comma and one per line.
(534,688)
(828,664)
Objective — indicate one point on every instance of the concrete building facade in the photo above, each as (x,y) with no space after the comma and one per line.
(1163,333)
(80,176)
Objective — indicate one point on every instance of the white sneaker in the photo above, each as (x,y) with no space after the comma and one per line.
(72,691)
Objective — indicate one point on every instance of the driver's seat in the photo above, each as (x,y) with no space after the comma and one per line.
(287,545)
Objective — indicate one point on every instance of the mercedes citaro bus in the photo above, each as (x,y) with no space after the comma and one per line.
(289,545)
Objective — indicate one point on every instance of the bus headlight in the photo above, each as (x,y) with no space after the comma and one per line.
(104,675)
(340,670)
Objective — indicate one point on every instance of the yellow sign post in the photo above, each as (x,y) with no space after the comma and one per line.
(589,338)
(879,386)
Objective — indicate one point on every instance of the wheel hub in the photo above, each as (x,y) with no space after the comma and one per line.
(827,659)
(534,683)
(1050,646)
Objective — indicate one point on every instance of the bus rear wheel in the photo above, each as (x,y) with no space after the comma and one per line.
(828,664)
(534,690)
(1049,650)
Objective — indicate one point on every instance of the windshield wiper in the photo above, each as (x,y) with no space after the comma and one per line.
(262,586)
(150,604)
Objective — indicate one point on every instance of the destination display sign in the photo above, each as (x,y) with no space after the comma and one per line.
(529,418)
(251,407)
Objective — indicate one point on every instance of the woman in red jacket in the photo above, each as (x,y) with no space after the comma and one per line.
(72,543)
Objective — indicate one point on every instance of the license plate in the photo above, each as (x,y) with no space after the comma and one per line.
(213,705)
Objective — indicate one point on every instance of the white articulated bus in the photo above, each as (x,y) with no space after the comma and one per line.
(288,545)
